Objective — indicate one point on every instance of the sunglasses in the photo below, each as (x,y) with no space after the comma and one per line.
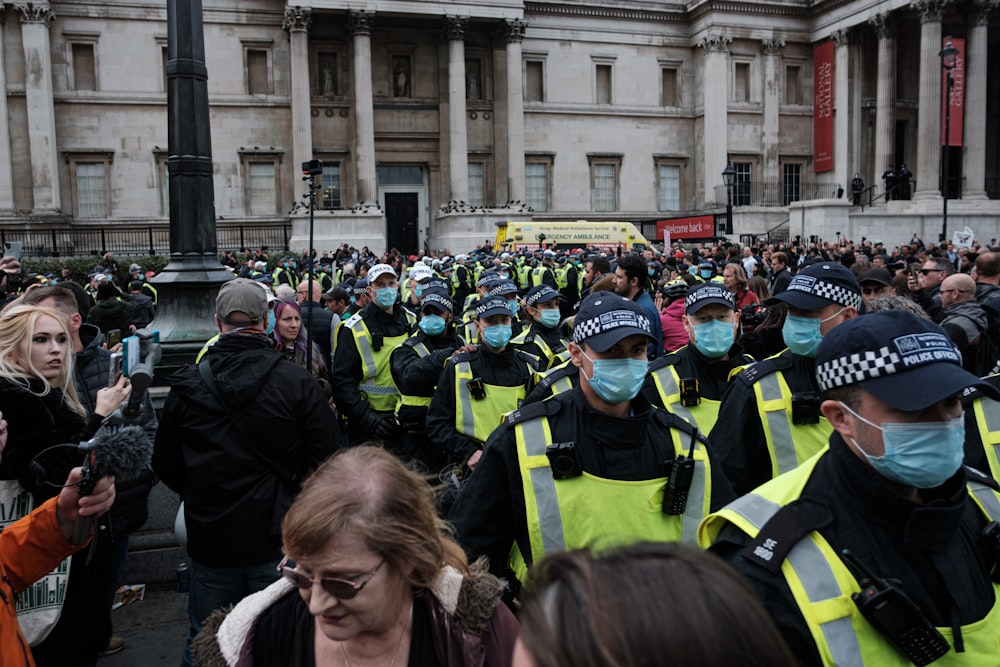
(924,272)
(342,589)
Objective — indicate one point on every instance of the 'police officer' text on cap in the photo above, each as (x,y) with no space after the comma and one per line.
(707,294)
(606,318)
(819,285)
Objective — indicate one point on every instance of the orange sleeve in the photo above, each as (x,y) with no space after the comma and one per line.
(31,547)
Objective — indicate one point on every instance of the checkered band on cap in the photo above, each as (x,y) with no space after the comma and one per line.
(439,299)
(902,354)
(503,287)
(492,303)
(546,293)
(708,291)
(825,290)
(489,279)
(609,321)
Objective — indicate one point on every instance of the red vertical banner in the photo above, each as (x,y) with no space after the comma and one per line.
(957,98)
(823,107)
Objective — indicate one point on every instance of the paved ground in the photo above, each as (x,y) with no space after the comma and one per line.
(154,629)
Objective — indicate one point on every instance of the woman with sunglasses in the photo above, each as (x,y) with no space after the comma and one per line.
(371,577)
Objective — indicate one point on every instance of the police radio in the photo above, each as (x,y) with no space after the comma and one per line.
(890,611)
(675,495)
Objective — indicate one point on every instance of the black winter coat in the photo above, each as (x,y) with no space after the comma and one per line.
(214,456)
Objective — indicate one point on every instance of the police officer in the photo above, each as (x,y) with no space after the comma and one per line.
(363,388)
(541,335)
(359,296)
(507,290)
(692,380)
(769,421)
(479,385)
(982,429)
(462,279)
(543,273)
(881,550)
(530,487)
(416,366)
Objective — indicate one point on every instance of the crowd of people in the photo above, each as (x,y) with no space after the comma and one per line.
(521,456)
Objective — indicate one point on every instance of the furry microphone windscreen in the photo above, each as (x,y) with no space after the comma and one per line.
(122,451)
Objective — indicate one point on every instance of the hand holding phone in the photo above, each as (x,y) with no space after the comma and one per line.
(114,337)
(12,249)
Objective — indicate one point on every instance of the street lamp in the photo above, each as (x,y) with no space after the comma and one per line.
(948,55)
(729,178)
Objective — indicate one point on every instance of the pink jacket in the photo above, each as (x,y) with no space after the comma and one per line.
(675,336)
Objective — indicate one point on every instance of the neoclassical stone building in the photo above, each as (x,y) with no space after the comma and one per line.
(436,119)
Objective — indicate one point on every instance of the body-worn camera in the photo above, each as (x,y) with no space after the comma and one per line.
(477,388)
(690,396)
(805,408)
(563,460)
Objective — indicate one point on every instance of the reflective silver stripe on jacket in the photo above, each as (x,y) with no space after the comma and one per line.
(421,350)
(988,498)
(463,368)
(780,427)
(694,512)
(991,412)
(377,390)
(668,381)
(816,575)
(544,486)
(363,339)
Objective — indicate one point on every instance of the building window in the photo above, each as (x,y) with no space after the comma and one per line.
(164,59)
(534,84)
(604,183)
(791,183)
(91,190)
(741,188)
(330,185)
(397,174)
(793,84)
(262,191)
(327,78)
(669,187)
(401,76)
(473,79)
(741,82)
(84,68)
(476,183)
(603,81)
(258,72)
(536,184)
(668,87)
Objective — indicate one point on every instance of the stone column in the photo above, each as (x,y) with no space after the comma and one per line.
(929,113)
(885,95)
(6,170)
(976,48)
(296,23)
(35,20)
(842,173)
(360,25)
(513,33)
(770,132)
(715,87)
(458,152)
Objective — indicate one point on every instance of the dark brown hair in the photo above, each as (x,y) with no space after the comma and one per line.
(646,604)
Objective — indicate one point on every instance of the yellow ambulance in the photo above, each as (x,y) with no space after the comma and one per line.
(514,235)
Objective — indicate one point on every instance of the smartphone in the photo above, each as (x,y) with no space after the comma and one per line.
(12,249)
(114,337)
(115,371)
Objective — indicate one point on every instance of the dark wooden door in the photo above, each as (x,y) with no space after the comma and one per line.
(401,211)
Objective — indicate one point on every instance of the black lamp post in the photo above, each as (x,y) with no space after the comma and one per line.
(948,55)
(729,178)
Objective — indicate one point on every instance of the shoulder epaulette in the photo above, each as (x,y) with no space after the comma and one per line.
(558,373)
(664,360)
(353,319)
(463,356)
(780,534)
(976,475)
(530,411)
(532,359)
(759,369)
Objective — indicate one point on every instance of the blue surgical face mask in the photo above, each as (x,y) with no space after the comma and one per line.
(617,380)
(385,297)
(352,299)
(418,289)
(497,336)
(432,325)
(714,338)
(706,274)
(513,305)
(651,272)
(270,321)
(918,454)
(802,335)
(548,317)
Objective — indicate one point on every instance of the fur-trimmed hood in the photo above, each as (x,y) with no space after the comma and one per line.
(469,603)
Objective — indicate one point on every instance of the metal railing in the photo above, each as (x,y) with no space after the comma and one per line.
(80,241)
(775,193)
